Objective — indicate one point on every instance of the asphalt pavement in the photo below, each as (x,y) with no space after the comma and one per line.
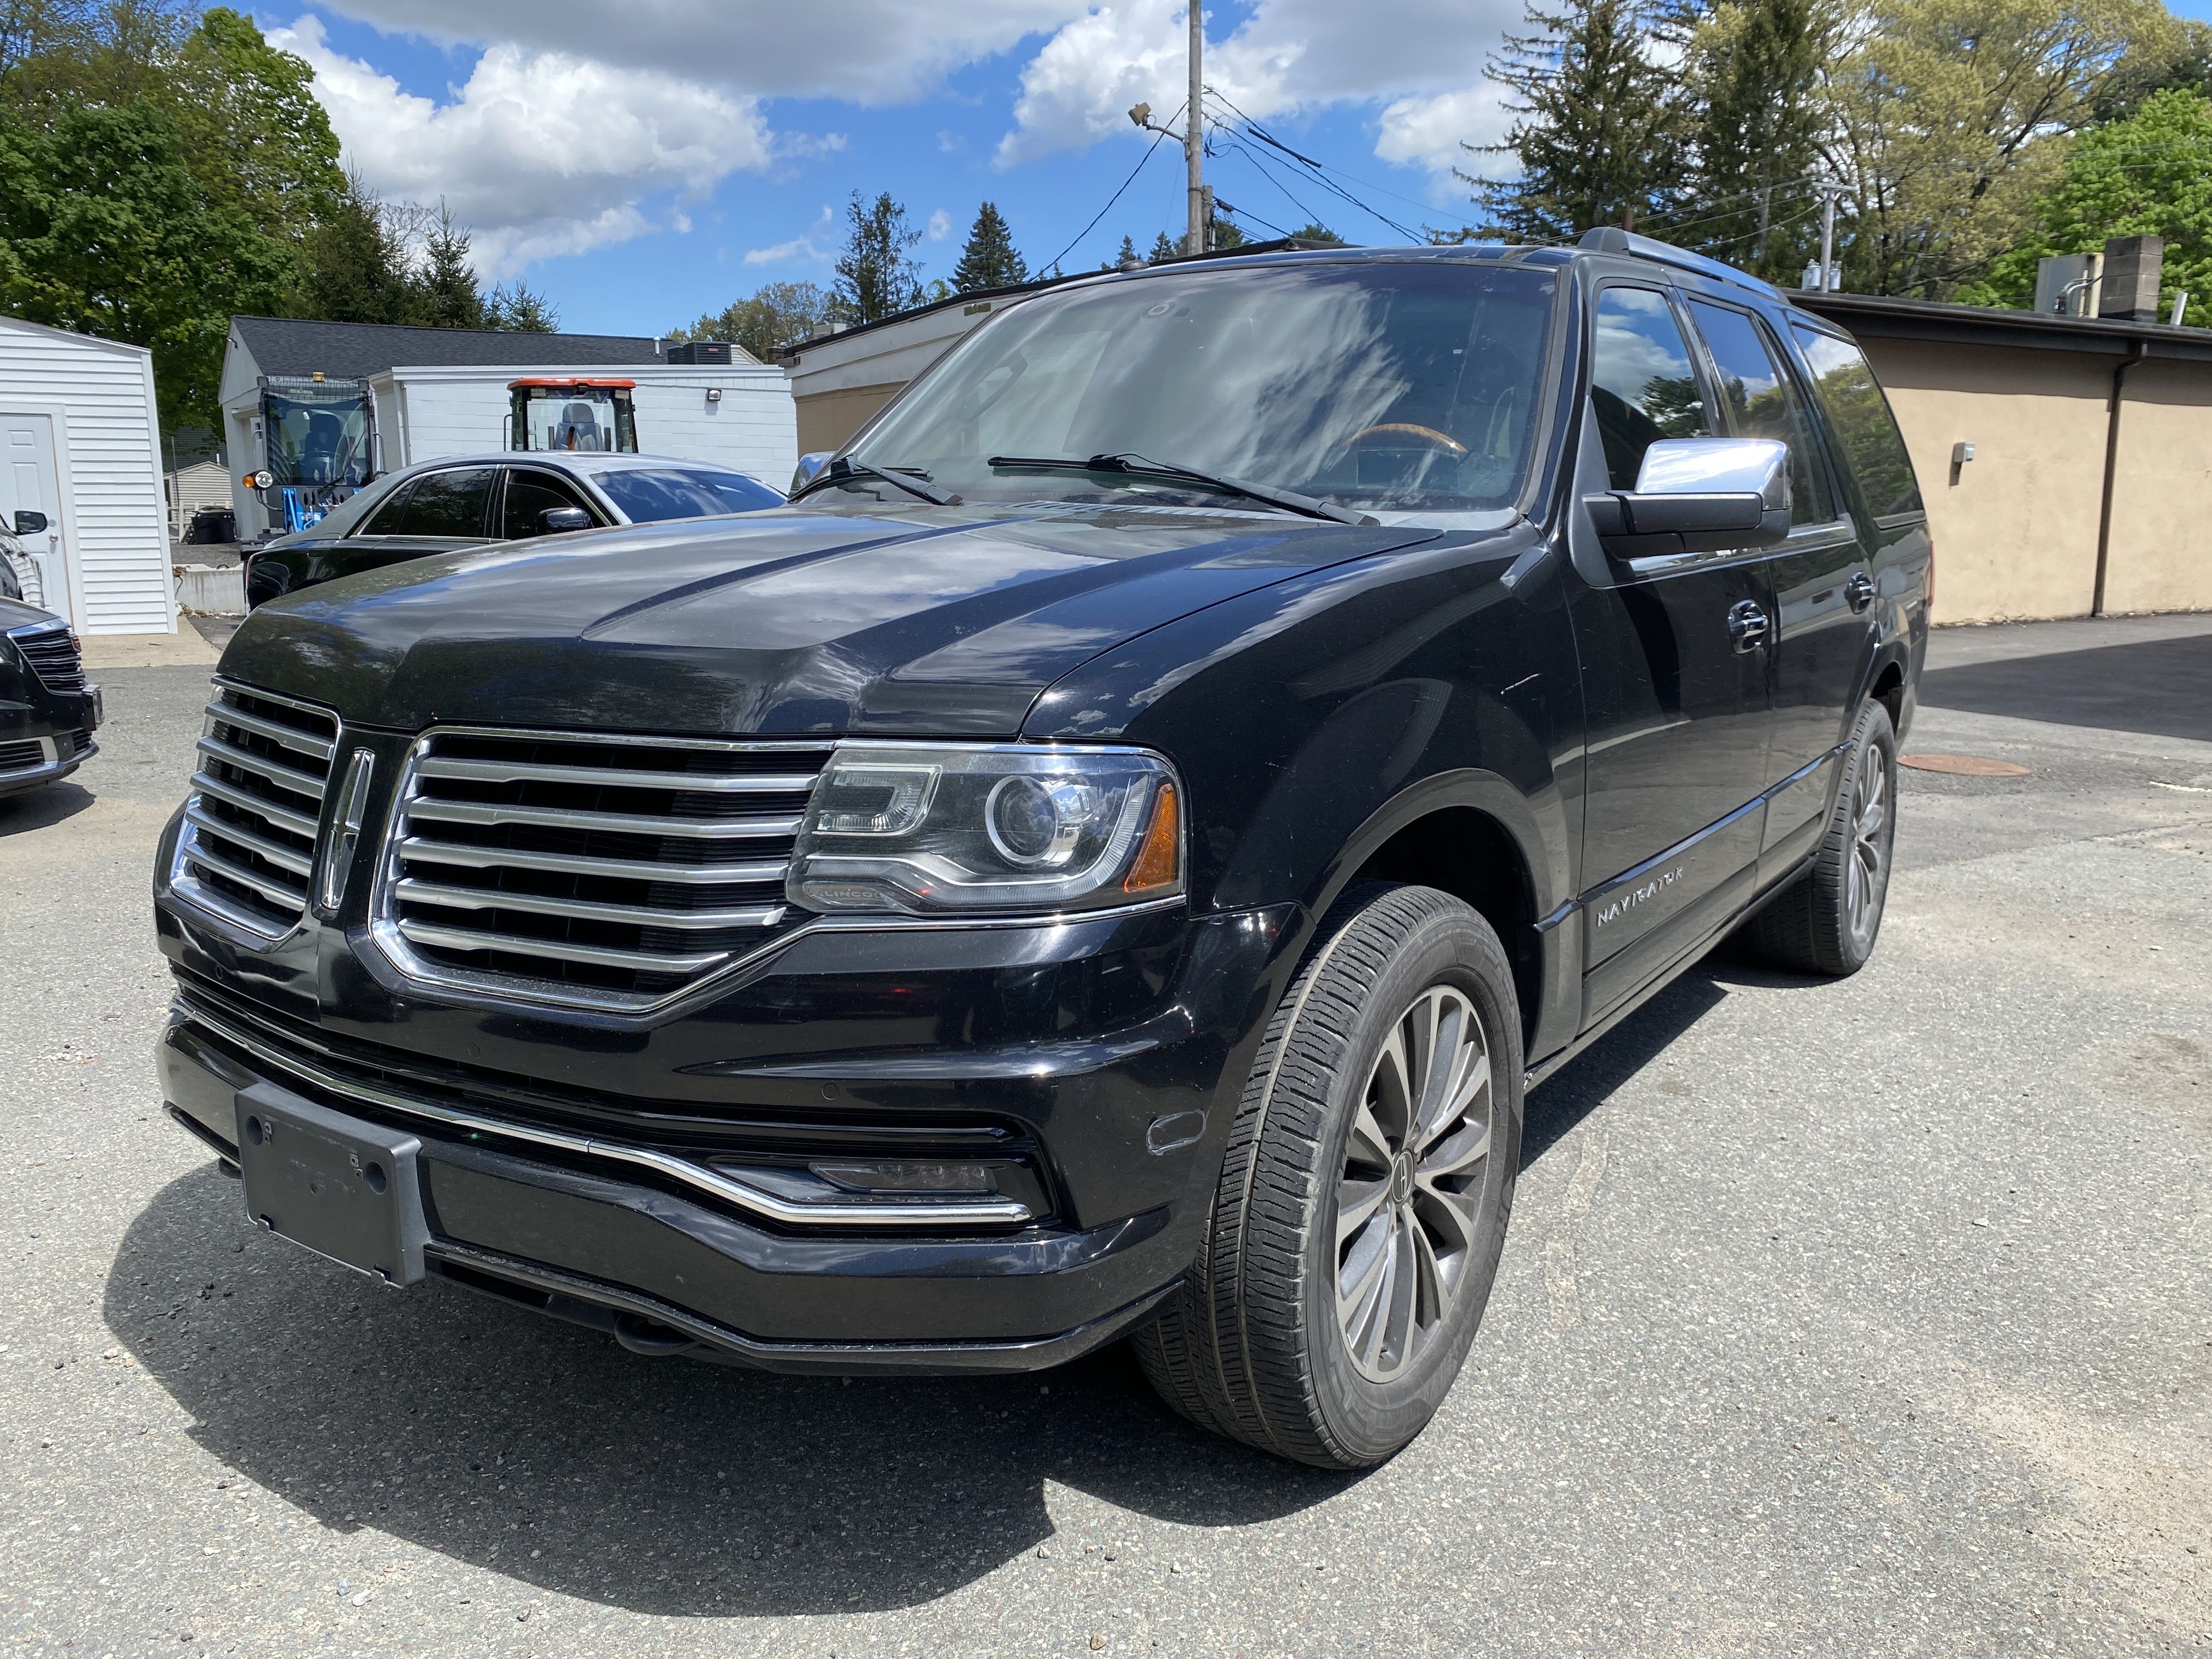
(1857,1318)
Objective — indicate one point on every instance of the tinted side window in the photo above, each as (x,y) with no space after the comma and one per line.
(394,508)
(1760,402)
(1852,399)
(528,494)
(694,493)
(1642,386)
(451,504)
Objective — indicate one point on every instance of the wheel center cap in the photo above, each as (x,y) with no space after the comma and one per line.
(1401,1178)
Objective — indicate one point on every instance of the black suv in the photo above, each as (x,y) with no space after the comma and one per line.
(1106,859)
(47,712)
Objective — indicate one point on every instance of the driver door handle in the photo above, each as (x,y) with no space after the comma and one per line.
(1859,591)
(1748,626)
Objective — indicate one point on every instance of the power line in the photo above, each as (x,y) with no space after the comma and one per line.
(1053,265)
(1314,170)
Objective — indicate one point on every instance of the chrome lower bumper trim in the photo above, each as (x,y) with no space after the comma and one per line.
(948,1212)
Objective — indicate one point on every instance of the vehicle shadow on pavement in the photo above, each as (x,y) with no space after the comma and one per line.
(2160,687)
(38,809)
(546,1453)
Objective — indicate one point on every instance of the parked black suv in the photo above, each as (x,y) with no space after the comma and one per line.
(47,712)
(1108,858)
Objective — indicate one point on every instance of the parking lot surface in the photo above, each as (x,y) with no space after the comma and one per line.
(1861,1318)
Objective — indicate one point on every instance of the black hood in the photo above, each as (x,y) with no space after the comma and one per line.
(942,621)
(15,614)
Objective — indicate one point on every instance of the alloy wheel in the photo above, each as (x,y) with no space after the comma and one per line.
(1409,1196)
(1865,876)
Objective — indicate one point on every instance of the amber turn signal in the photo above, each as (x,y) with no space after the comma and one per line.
(1159,860)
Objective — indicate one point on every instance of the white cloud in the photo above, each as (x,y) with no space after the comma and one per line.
(539,152)
(872,52)
(813,244)
(1425,56)
(1430,131)
(940,225)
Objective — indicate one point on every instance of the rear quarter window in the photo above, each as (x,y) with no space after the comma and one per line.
(1860,416)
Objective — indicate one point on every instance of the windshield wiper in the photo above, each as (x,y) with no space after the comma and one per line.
(1288,500)
(840,470)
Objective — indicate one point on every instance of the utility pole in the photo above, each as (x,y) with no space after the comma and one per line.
(1829,192)
(1193,134)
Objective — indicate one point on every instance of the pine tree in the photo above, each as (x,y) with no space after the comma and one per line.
(1750,67)
(1596,127)
(990,258)
(1315,231)
(352,267)
(519,310)
(446,292)
(1125,259)
(1163,248)
(877,276)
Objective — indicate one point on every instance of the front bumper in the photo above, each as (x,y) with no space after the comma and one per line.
(58,755)
(1124,1128)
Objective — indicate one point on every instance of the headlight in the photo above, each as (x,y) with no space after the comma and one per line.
(937,831)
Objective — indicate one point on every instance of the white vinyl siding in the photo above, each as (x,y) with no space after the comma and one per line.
(424,413)
(114,517)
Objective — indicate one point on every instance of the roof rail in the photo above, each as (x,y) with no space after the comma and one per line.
(1611,239)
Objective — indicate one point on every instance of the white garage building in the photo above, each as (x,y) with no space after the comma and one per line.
(80,441)
(398,395)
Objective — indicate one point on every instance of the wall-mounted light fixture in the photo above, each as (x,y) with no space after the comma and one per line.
(714,394)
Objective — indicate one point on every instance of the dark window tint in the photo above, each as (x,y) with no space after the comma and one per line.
(1641,385)
(694,492)
(530,494)
(1852,400)
(388,512)
(1758,401)
(449,504)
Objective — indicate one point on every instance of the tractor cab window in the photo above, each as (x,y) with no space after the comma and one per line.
(317,432)
(594,418)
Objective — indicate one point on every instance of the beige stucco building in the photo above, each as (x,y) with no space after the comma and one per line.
(2090,488)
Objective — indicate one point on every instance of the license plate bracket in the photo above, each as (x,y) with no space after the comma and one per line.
(345,1188)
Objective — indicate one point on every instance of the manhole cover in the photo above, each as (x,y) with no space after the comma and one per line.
(1964,766)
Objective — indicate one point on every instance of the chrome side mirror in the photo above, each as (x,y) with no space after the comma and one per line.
(809,467)
(1698,495)
(554,519)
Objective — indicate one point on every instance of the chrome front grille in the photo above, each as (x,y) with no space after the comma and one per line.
(52,650)
(587,869)
(247,847)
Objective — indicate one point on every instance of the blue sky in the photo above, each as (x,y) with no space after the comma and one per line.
(643,163)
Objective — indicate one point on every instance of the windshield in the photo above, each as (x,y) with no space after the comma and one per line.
(1377,385)
(317,435)
(647,496)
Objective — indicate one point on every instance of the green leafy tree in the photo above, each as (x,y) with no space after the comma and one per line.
(1164,247)
(1224,234)
(254,136)
(1949,120)
(1596,128)
(1314,231)
(518,309)
(2149,175)
(989,259)
(2183,62)
(1752,68)
(877,276)
(777,315)
(109,234)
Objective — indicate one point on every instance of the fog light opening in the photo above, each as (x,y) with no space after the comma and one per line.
(910,1178)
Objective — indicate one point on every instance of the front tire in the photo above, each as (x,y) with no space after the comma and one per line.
(1827,922)
(1356,1230)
